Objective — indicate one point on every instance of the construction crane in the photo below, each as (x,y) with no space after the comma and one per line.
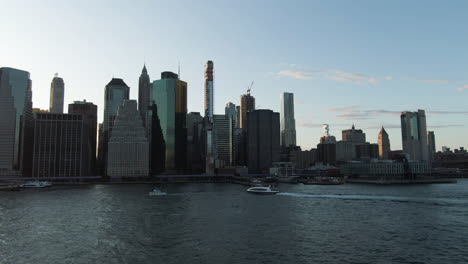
(249,88)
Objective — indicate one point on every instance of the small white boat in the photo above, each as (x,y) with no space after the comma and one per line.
(35,184)
(263,190)
(156,191)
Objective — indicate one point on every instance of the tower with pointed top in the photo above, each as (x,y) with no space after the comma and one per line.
(144,96)
(384,144)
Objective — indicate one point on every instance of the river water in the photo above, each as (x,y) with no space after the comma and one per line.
(221,223)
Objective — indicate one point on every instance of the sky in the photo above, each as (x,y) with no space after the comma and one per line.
(347,62)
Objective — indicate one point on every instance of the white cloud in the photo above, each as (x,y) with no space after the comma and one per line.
(461,89)
(303,75)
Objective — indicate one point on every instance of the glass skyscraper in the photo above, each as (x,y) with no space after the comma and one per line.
(57,92)
(16,122)
(414,135)
(288,123)
(170,95)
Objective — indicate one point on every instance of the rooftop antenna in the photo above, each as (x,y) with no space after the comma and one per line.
(249,88)
(56,74)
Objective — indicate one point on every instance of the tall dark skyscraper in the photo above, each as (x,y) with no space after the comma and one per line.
(231,111)
(263,136)
(209,91)
(88,111)
(57,93)
(59,146)
(170,95)
(223,130)
(144,96)
(288,123)
(16,122)
(431,144)
(115,93)
(195,162)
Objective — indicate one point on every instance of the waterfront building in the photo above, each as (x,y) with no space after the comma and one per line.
(231,111)
(288,123)
(144,97)
(88,111)
(431,144)
(223,130)
(384,144)
(194,143)
(16,122)
(303,159)
(326,149)
(209,91)
(386,169)
(247,105)
(170,96)
(414,135)
(61,146)
(128,144)
(263,136)
(57,93)
(116,92)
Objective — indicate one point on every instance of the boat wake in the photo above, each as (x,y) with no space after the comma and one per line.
(403,199)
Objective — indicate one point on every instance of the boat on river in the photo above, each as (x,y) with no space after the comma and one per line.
(36,184)
(263,190)
(156,192)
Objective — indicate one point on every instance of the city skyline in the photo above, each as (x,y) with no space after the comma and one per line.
(338,90)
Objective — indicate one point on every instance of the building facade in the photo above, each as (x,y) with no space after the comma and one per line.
(194,126)
(223,130)
(128,145)
(170,95)
(231,111)
(414,135)
(88,111)
(367,151)
(247,105)
(57,93)
(263,136)
(431,144)
(209,90)
(60,146)
(288,123)
(384,144)
(354,135)
(16,122)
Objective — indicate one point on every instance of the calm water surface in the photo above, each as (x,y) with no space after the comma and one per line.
(221,223)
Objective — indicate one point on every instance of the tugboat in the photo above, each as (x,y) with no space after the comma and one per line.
(263,190)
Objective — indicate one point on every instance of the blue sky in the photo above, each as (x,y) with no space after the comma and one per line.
(347,62)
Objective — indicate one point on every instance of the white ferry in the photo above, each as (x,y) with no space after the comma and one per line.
(36,184)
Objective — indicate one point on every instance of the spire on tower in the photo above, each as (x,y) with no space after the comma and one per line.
(144,68)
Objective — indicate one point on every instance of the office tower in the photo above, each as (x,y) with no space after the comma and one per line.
(345,151)
(288,123)
(170,95)
(367,151)
(326,149)
(384,144)
(194,142)
(57,92)
(354,135)
(247,105)
(156,140)
(263,136)
(61,146)
(88,111)
(144,97)
(209,91)
(128,144)
(16,122)
(414,135)
(431,144)
(238,111)
(223,130)
(231,112)
(116,92)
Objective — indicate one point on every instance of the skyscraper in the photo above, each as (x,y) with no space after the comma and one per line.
(414,135)
(263,136)
(61,148)
(288,123)
(88,111)
(384,144)
(144,97)
(170,95)
(247,105)
(209,91)
(16,122)
(57,92)
(238,111)
(354,135)
(116,92)
(431,144)
(128,144)
(231,111)
(195,162)
(223,129)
